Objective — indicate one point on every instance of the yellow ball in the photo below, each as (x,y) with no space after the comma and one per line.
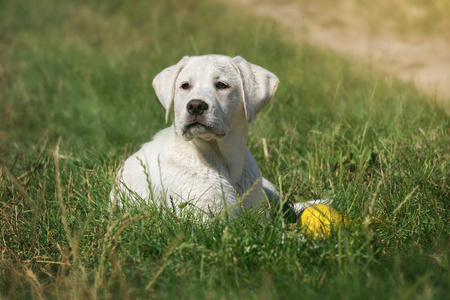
(319,219)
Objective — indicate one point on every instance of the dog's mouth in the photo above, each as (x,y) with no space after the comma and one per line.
(196,128)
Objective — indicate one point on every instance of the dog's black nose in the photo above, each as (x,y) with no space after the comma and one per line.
(196,107)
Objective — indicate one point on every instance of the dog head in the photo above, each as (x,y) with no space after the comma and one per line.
(213,93)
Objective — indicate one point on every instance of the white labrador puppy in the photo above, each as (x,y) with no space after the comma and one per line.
(202,158)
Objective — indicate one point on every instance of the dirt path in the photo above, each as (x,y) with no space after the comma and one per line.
(389,43)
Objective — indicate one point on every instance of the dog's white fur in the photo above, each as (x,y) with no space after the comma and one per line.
(203,158)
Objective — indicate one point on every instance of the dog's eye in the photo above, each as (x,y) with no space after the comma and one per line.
(221,86)
(185,86)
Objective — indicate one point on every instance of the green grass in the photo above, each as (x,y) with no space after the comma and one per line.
(76,99)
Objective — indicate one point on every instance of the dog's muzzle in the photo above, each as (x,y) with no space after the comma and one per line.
(198,123)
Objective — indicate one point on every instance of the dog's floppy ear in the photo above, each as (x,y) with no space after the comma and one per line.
(257,88)
(164,84)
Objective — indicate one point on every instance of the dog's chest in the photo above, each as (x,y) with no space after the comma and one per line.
(168,169)
(187,175)
(190,177)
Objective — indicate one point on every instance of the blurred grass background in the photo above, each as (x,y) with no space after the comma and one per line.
(408,18)
(406,39)
(76,99)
